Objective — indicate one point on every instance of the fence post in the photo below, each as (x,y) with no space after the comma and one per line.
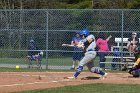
(122,28)
(47,39)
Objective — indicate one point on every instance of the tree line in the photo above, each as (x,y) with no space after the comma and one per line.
(69,4)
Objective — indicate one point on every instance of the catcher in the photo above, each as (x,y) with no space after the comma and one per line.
(135,70)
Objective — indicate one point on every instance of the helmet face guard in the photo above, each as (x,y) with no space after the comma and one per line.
(84,32)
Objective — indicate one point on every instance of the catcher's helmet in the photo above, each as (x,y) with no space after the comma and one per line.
(84,32)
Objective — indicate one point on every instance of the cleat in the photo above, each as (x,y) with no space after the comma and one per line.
(70,78)
(103,76)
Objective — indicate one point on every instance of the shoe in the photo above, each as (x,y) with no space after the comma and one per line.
(70,78)
(104,76)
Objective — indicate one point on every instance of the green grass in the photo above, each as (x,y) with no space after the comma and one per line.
(91,88)
(4,69)
(52,61)
(58,61)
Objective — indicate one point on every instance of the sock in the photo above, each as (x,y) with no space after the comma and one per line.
(101,73)
(80,68)
(76,74)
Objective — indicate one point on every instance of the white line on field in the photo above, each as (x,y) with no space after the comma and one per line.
(21,84)
(28,75)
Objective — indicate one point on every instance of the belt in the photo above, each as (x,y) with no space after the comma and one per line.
(90,50)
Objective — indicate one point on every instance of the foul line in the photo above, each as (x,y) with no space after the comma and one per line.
(27,75)
(21,84)
(31,75)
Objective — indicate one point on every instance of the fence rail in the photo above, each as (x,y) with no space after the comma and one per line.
(50,28)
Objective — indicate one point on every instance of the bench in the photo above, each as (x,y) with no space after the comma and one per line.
(118,41)
(127,59)
(127,62)
(119,57)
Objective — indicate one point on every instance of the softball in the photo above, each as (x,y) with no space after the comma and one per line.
(17,66)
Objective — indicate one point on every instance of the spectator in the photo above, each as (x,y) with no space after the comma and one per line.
(102,44)
(77,54)
(34,55)
(32,47)
(116,54)
(132,44)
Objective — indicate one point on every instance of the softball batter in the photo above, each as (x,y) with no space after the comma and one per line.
(88,45)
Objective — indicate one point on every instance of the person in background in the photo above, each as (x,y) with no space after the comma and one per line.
(103,48)
(77,54)
(32,47)
(31,52)
(116,53)
(132,44)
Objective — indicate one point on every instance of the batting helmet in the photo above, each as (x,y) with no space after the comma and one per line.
(84,32)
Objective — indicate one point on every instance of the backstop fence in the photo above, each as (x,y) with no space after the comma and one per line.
(50,28)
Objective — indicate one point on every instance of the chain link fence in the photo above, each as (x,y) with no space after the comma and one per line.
(50,28)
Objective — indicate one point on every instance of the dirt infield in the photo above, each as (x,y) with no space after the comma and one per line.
(19,81)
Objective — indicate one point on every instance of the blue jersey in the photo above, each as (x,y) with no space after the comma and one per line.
(75,40)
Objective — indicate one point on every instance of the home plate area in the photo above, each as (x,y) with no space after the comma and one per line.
(21,81)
